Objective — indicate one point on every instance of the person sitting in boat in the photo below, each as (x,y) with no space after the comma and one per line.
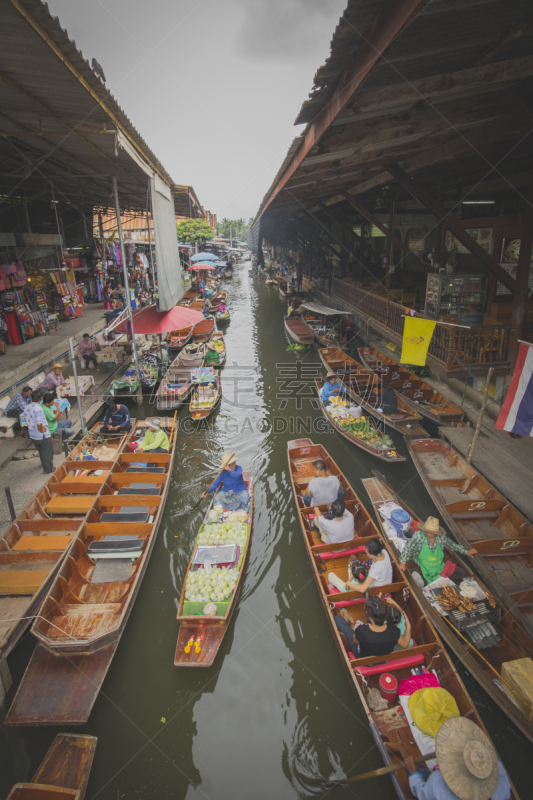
(235,496)
(222,308)
(322,488)
(206,310)
(378,637)
(426,547)
(396,615)
(116,418)
(338,529)
(211,357)
(379,568)
(388,403)
(469,768)
(208,293)
(155,440)
(290,312)
(330,388)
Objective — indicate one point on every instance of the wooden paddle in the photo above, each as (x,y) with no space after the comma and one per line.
(189,510)
(376,773)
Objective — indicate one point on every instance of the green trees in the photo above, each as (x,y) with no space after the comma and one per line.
(194,230)
(238,228)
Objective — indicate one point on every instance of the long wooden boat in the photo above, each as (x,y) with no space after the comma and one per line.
(363,433)
(192,355)
(481,517)
(365,389)
(222,317)
(331,337)
(203,330)
(207,632)
(64,771)
(39,540)
(218,343)
(298,331)
(175,386)
(180,337)
(228,273)
(472,633)
(420,395)
(216,300)
(428,652)
(205,398)
(87,608)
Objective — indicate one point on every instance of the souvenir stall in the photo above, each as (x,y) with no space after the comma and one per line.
(23,306)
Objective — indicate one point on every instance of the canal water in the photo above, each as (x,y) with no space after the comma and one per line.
(277,711)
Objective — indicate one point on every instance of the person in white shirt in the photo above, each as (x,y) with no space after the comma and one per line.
(380,572)
(340,528)
(39,433)
(323,488)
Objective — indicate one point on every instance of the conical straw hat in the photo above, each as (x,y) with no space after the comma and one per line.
(467,759)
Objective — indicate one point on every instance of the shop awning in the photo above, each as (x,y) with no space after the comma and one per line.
(325,311)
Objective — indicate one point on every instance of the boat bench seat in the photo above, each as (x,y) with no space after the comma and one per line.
(70,504)
(466,515)
(128,516)
(140,488)
(22,581)
(388,666)
(145,469)
(43,543)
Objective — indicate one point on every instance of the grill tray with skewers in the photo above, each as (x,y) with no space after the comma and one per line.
(468,612)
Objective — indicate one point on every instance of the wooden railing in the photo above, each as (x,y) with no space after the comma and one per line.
(452,347)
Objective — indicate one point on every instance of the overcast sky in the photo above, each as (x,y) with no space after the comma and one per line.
(213,86)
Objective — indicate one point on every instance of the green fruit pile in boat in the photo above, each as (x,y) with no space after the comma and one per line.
(223,533)
(215,587)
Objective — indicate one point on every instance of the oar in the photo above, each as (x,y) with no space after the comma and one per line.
(376,773)
(189,510)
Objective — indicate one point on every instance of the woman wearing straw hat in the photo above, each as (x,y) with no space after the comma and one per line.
(155,440)
(426,547)
(235,496)
(469,768)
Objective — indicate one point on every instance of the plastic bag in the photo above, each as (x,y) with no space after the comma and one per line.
(431,707)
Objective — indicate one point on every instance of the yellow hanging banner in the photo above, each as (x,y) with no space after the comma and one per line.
(417,335)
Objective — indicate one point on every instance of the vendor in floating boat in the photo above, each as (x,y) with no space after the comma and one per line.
(336,530)
(426,547)
(389,403)
(155,440)
(222,308)
(234,496)
(469,768)
(378,637)
(211,357)
(53,380)
(208,292)
(323,488)
(116,418)
(206,310)
(379,568)
(330,388)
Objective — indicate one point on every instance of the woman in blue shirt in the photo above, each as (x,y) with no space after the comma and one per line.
(235,496)
(330,388)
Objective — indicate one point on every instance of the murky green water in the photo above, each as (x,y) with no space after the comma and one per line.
(277,708)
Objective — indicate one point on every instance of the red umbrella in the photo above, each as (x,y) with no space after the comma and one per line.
(200,266)
(150,320)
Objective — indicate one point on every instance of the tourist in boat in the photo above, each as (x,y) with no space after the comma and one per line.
(206,310)
(379,568)
(208,292)
(155,440)
(377,637)
(53,380)
(336,530)
(426,547)
(234,496)
(389,403)
(51,412)
(331,388)
(469,768)
(395,614)
(116,418)
(323,488)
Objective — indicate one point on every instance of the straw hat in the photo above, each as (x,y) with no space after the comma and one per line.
(228,458)
(331,375)
(431,525)
(154,424)
(467,759)
(57,366)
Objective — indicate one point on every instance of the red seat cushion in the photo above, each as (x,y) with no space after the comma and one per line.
(333,590)
(341,553)
(390,666)
(347,603)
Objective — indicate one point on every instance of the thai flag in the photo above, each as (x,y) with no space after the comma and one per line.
(516,415)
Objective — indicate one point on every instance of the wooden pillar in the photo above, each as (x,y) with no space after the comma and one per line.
(390,244)
(522,274)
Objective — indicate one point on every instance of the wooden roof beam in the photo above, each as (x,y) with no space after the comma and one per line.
(419,193)
(359,239)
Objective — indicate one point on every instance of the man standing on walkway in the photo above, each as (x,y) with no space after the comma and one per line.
(39,433)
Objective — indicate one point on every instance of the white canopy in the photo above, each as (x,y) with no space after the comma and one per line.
(318,308)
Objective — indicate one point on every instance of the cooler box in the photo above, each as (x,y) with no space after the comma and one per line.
(401,521)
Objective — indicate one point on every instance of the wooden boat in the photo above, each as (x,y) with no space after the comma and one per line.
(428,651)
(203,330)
(363,433)
(175,386)
(205,398)
(481,517)
(217,342)
(91,598)
(64,771)
(222,317)
(125,384)
(216,300)
(420,395)
(331,337)
(364,389)
(179,337)
(36,544)
(209,630)
(192,355)
(282,286)
(228,273)
(298,331)
(510,644)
